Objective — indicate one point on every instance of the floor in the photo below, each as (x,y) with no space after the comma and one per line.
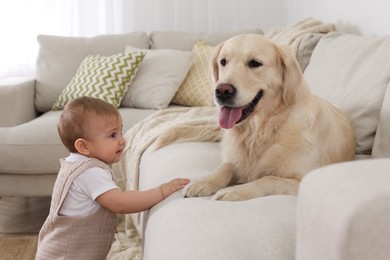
(20,216)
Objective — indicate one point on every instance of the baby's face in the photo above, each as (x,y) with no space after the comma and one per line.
(105,140)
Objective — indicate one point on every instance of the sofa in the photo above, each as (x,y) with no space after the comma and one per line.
(340,212)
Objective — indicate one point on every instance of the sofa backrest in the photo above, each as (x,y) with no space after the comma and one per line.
(381,146)
(353,73)
(59,57)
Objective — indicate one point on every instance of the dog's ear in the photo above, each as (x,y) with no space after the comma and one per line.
(292,74)
(214,63)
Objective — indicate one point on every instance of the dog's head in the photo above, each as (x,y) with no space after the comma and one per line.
(252,74)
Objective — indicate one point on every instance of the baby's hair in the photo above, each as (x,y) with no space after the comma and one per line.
(76,116)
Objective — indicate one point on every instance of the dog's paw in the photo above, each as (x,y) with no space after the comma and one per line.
(231,194)
(199,189)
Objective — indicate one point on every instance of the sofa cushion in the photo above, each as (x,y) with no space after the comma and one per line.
(103,77)
(352,72)
(59,57)
(186,40)
(261,228)
(342,212)
(160,75)
(381,146)
(196,89)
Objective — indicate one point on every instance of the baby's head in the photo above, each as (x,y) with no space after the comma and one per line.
(78,118)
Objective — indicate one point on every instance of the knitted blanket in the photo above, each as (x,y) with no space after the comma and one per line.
(293,35)
(152,133)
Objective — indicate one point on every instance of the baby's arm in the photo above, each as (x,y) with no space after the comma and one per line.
(136,201)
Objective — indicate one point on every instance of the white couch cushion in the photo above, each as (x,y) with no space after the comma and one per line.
(343,210)
(382,138)
(59,57)
(200,228)
(158,78)
(352,72)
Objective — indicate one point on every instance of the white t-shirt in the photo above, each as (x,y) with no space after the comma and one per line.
(80,200)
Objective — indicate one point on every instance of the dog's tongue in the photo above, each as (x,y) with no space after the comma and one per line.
(228,116)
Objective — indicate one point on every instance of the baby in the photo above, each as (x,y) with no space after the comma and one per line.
(85,200)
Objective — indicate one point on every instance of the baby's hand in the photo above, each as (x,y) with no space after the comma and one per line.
(173,186)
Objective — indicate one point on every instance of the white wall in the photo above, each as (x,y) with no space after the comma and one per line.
(365,17)
(204,15)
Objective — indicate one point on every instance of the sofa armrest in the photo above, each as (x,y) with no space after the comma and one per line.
(343,212)
(16,101)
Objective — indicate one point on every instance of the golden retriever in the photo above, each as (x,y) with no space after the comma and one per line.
(274,129)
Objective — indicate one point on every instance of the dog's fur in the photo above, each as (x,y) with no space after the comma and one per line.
(289,132)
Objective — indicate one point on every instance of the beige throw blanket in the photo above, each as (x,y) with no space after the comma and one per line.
(302,38)
(293,35)
(151,133)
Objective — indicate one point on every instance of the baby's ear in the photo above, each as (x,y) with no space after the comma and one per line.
(81,146)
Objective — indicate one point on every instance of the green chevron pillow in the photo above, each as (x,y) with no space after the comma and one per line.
(103,77)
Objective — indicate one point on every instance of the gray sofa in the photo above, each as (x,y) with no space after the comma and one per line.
(341,210)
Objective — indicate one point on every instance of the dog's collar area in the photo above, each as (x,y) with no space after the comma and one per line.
(230,116)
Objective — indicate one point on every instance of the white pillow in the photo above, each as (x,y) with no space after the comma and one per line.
(352,72)
(158,78)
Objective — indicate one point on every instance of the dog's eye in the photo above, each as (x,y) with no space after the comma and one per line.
(254,64)
(223,62)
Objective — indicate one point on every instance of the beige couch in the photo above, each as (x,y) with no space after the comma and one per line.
(341,210)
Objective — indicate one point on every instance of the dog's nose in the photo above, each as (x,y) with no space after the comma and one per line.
(225,92)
